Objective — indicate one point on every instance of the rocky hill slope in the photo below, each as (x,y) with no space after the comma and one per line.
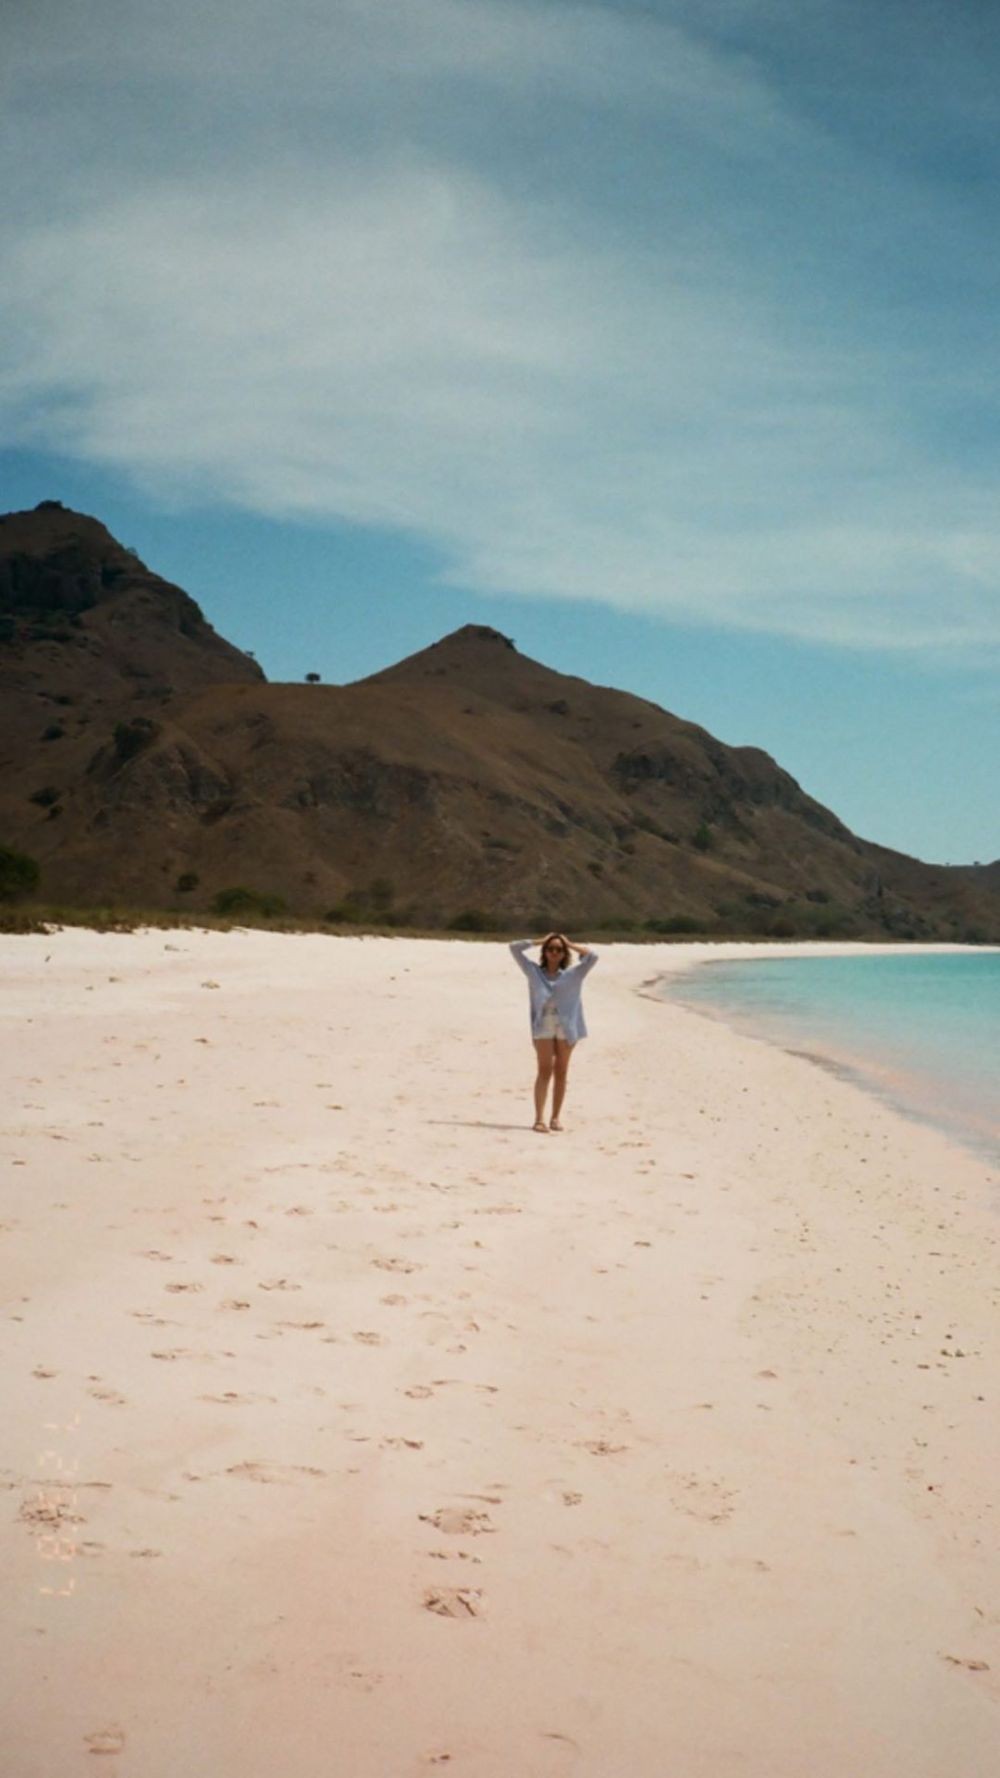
(147,762)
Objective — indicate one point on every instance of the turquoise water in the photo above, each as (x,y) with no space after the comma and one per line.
(922,1030)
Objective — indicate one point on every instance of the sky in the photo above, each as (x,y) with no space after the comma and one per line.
(662,337)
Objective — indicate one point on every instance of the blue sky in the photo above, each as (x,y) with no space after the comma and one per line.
(662,337)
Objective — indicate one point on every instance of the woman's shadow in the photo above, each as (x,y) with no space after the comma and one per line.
(459,1123)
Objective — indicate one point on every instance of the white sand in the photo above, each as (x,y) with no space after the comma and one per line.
(354,1431)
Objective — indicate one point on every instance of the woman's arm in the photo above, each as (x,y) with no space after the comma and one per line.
(517,950)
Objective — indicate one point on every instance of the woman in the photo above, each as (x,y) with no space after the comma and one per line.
(556,1014)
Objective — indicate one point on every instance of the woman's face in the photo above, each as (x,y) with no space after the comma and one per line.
(554,953)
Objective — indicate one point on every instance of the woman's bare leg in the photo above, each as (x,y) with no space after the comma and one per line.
(545,1050)
(563,1053)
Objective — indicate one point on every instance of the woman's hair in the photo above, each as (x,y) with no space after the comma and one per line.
(548,939)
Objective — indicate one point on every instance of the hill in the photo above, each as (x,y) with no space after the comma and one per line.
(148,762)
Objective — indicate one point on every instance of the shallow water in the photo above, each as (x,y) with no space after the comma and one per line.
(922,1030)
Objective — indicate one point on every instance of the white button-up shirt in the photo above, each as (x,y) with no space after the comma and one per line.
(563,990)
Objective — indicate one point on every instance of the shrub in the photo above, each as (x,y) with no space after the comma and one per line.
(54,732)
(676,923)
(19,874)
(344,914)
(44,797)
(131,737)
(187,880)
(472,920)
(239,900)
(701,839)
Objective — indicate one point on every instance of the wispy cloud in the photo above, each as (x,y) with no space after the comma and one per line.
(578,295)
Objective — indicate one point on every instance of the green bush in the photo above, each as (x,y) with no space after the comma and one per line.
(131,737)
(344,914)
(239,900)
(676,923)
(187,881)
(701,839)
(45,797)
(19,874)
(473,920)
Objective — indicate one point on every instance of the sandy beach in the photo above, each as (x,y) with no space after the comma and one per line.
(353,1430)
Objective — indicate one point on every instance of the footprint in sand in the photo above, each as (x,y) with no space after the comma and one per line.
(232,1302)
(109,1395)
(702,1497)
(368,1339)
(175,1352)
(454,1602)
(52,1514)
(175,1288)
(277,1284)
(105,1741)
(396,1265)
(599,1447)
(229,1398)
(259,1470)
(225,1259)
(456,1521)
(419,1391)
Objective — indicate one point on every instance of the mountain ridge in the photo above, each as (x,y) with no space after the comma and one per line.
(143,751)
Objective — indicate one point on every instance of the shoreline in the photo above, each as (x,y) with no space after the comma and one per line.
(920,1094)
(347,1413)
